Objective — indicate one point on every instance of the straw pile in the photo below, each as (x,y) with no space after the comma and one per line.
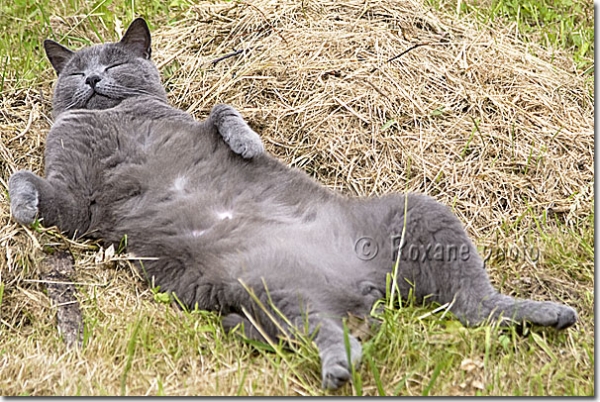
(369,97)
(467,116)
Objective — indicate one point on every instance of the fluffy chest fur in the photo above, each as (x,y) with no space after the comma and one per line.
(160,178)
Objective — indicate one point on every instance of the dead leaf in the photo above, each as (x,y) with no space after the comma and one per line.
(477,384)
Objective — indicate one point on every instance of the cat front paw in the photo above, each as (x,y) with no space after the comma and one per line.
(245,142)
(236,132)
(24,197)
(335,368)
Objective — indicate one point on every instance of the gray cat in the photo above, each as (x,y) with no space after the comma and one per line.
(230,228)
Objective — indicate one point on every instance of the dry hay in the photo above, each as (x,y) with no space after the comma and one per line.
(468,116)
(307,85)
(375,97)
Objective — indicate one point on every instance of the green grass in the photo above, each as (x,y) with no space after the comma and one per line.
(137,342)
(564,25)
(26,23)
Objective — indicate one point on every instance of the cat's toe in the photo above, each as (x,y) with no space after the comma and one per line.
(335,375)
(253,149)
(246,142)
(25,215)
(336,370)
(550,314)
(243,140)
(23,198)
(230,321)
(566,318)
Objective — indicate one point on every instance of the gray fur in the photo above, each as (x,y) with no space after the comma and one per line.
(123,162)
(24,197)
(236,133)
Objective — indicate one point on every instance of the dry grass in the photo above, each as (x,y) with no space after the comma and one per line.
(469,117)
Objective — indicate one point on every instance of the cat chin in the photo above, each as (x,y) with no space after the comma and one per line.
(99,101)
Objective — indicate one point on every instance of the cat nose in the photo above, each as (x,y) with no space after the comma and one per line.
(92,80)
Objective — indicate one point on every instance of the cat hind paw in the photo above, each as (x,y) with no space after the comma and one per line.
(566,317)
(336,370)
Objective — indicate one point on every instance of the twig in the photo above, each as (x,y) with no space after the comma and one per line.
(227,56)
(413,47)
(27,127)
(63,282)
(56,275)
(376,89)
(445,306)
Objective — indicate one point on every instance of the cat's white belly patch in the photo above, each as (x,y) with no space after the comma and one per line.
(224,215)
(179,183)
(198,233)
(221,216)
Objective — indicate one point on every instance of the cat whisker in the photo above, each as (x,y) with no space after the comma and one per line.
(72,105)
(79,99)
(131,91)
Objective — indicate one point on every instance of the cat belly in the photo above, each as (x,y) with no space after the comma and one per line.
(255,240)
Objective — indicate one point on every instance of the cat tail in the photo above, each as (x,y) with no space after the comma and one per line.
(498,307)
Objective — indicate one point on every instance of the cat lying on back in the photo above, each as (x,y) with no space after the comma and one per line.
(221,216)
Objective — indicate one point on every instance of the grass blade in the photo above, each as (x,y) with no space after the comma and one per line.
(130,352)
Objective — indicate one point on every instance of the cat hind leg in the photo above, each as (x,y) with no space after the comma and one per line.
(496,307)
(477,301)
(336,370)
(329,337)
(339,352)
(447,267)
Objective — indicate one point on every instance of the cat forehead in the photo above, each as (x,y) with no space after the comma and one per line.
(104,54)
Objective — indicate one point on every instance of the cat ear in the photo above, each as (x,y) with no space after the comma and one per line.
(137,38)
(57,54)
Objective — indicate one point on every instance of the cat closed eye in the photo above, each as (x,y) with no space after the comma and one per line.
(114,65)
(76,75)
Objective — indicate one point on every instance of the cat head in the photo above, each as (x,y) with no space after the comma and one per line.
(101,76)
